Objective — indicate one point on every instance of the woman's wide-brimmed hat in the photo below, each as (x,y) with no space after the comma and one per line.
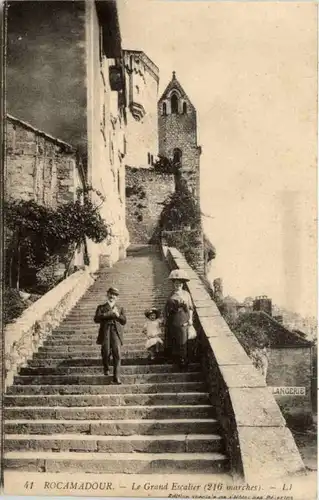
(153,310)
(178,274)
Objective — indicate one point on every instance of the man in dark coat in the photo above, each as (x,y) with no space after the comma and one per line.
(111,319)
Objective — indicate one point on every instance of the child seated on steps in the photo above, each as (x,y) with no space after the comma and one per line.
(153,330)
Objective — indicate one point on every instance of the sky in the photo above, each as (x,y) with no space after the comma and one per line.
(250,69)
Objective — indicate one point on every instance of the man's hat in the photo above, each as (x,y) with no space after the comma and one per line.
(178,274)
(153,310)
(113,290)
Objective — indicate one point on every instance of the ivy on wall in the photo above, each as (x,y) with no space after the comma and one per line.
(36,234)
(180,211)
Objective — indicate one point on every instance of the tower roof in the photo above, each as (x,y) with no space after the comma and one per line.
(174,85)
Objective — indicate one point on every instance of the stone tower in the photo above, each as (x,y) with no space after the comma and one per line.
(177,132)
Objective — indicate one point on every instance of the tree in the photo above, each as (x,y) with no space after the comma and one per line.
(38,233)
(180,211)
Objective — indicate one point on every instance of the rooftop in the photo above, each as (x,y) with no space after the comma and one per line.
(67,147)
(257,327)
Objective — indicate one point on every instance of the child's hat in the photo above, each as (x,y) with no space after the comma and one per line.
(153,310)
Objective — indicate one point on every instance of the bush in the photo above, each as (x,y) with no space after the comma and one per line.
(180,211)
(13,305)
(189,243)
(39,233)
(165,166)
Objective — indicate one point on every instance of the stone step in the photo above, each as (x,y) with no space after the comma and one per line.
(129,309)
(175,387)
(114,427)
(95,370)
(129,463)
(68,342)
(91,359)
(183,443)
(133,320)
(131,328)
(88,311)
(79,400)
(99,379)
(132,304)
(145,299)
(95,348)
(90,336)
(88,358)
(110,413)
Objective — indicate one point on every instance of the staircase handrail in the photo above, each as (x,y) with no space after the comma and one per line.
(258,442)
(27,333)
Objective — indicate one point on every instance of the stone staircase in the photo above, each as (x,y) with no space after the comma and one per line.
(62,414)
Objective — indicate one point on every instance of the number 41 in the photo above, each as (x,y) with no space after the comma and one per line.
(28,486)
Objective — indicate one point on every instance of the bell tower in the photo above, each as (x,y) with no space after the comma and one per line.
(177,132)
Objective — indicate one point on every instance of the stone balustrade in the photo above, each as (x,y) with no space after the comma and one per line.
(27,333)
(258,441)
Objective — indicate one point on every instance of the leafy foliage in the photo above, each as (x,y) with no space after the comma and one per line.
(209,249)
(189,243)
(38,233)
(165,166)
(14,305)
(180,210)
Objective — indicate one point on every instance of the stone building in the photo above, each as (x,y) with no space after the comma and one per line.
(141,83)
(177,132)
(39,167)
(69,83)
(289,361)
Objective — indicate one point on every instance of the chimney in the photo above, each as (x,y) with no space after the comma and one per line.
(263,303)
(279,319)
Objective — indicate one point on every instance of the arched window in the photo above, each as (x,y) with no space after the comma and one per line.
(184,108)
(164,108)
(174,104)
(148,158)
(177,156)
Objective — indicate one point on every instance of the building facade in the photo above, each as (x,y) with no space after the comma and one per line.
(141,83)
(72,85)
(39,167)
(177,133)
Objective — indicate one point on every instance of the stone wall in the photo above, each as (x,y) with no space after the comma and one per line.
(106,148)
(38,167)
(58,80)
(146,189)
(250,417)
(141,77)
(291,367)
(180,131)
(190,243)
(28,332)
